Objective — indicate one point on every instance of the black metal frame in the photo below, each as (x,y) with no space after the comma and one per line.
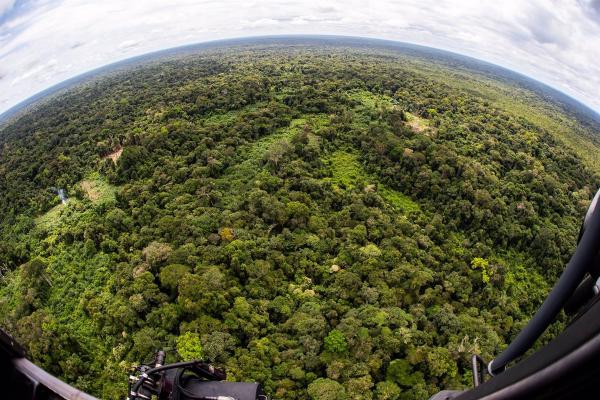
(567,367)
(23,380)
(581,263)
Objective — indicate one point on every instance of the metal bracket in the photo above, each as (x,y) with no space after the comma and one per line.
(478,366)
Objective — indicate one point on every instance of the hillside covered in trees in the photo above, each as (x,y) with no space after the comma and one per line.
(333,221)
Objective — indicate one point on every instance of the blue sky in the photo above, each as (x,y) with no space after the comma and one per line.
(43,42)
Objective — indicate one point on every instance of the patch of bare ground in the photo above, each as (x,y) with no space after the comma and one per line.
(418,124)
(114,156)
(91,190)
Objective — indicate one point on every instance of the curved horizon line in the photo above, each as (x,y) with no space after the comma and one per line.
(14,110)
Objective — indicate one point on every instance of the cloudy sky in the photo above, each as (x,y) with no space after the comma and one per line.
(43,42)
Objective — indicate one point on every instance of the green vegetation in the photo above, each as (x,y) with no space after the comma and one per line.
(332,222)
(335,342)
(517,101)
(97,189)
(347,172)
(370,100)
(189,347)
(51,218)
(482,264)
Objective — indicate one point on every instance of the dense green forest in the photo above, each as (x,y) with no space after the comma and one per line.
(333,222)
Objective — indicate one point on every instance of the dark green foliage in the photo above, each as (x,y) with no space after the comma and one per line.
(34,285)
(172,274)
(402,373)
(332,222)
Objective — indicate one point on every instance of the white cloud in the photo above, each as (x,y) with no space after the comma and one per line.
(128,44)
(6,6)
(45,70)
(555,41)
